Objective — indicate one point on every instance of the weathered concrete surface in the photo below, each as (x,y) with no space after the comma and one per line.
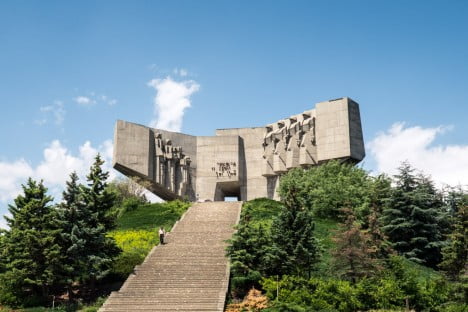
(243,162)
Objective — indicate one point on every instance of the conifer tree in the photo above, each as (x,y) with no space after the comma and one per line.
(248,250)
(100,249)
(455,253)
(2,247)
(72,216)
(295,249)
(379,194)
(412,216)
(98,197)
(377,238)
(30,250)
(354,256)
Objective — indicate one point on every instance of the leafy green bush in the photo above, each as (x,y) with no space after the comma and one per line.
(284,306)
(326,189)
(135,246)
(382,293)
(315,294)
(95,306)
(388,291)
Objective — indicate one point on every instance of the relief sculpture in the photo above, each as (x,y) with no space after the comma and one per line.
(243,163)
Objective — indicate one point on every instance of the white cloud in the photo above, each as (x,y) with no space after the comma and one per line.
(10,175)
(57,110)
(93,99)
(3,224)
(171,100)
(84,100)
(57,164)
(446,164)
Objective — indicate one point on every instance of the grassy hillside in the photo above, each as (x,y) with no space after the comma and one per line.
(137,231)
(264,210)
(260,210)
(151,216)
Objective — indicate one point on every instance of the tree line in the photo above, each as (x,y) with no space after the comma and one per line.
(381,222)
(51,249)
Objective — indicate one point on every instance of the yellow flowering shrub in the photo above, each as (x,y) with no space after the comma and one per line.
(135,245)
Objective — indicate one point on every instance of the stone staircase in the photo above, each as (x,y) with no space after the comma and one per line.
(190,272)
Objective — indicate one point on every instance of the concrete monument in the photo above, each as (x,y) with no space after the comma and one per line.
(243,162)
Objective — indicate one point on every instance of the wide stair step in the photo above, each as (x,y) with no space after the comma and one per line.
(191,272)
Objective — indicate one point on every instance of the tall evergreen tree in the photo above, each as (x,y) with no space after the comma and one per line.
(295,248)
(248,250)
(380,190)
(354,256)
(455,253)
(100,249)
(72,217)
(411,217)
(2,247)
(31,251)
(99,199)
(249,253)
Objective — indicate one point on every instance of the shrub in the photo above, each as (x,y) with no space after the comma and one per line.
(254,302)
(327,188)
(315,294)
(135,246)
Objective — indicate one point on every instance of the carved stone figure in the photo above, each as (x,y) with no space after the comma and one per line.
(245,163)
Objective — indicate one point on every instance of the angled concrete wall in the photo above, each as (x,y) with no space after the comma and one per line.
(246,163)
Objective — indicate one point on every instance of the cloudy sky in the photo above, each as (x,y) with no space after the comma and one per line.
(69,70)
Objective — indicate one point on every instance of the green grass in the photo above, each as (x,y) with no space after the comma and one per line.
(324,231)
(422,272)
(137,232)
(93,307)
(152,216)
(260,210)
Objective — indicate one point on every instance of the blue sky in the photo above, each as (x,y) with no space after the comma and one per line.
(68,70)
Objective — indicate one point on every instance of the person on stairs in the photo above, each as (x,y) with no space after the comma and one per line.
(162,234)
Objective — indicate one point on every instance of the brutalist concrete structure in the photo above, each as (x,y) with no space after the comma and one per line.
(243,162)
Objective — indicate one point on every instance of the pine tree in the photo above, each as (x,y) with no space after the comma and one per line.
(100,249)
(380,190)
(72,216)
(295,250)
(411,218)
(30,250)
(248,249)
(455,253)
(99,199)
(377,238)
(249,254)
(354,256)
